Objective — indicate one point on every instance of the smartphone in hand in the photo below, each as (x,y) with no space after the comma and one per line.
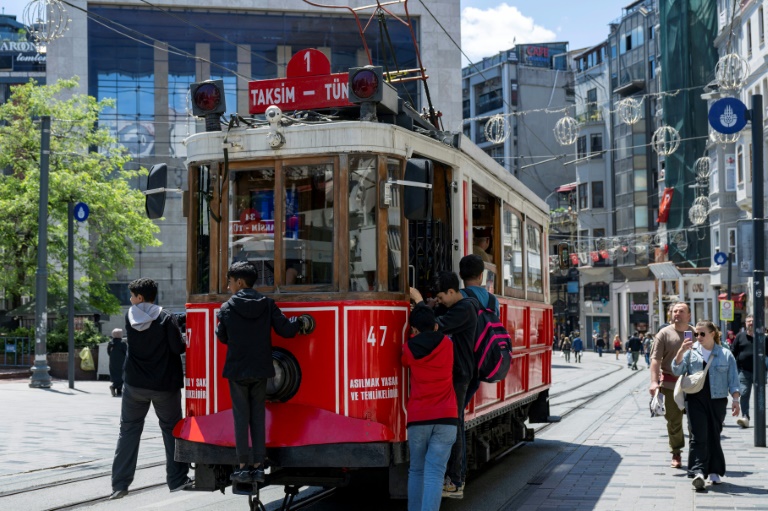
(688,336)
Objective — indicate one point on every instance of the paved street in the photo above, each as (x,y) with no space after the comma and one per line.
(605,454)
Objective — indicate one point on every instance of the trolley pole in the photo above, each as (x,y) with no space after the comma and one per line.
(758,289)
(40,378)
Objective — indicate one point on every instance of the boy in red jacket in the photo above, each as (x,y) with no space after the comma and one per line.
(432,409)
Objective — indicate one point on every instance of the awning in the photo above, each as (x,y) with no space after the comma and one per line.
(567,188)
(736,297)
(665,271)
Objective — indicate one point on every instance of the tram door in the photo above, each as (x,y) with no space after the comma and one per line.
(429,241)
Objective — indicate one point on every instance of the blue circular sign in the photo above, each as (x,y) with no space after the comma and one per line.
(81,212)
(721,258)
(728,116)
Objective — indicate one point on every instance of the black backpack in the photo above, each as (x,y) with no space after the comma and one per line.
(493,345)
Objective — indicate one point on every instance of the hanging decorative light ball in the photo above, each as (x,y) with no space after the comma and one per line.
(496,129)
(629,110)
(731,71)
(702,167)
(566,130)
(697,215)
(722,138)
(665,140)
(46,20)
(702,201)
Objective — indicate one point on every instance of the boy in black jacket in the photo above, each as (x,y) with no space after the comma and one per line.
(153,375)
(459,322)
(245,324)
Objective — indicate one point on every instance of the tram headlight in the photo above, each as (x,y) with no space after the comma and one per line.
(209,101)
(284,385)
(368,87)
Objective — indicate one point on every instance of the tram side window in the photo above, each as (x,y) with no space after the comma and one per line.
(513,251)
(394,231)
(533,242)
(308,237)
(362,223)
(252,222)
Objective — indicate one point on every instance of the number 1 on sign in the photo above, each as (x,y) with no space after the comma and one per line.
(372,336)
(306,57)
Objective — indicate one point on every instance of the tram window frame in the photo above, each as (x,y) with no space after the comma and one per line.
(512,291)
(531,294)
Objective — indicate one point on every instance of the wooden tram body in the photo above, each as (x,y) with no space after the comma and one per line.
(331,239)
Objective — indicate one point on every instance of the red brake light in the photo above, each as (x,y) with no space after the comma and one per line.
(365,84)
(207,96)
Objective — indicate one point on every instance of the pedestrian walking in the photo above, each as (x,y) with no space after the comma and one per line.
(600,343)
(153,376)
(578,348)
(117,351)
(647,343)
(432,410)
(616,345)
(743,352)
(706,409)
(665,347)
(566,349)
(245,325)
(635,346)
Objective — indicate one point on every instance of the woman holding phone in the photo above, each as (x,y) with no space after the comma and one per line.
(706,408)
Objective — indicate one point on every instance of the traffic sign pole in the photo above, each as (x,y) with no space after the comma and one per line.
(758,286)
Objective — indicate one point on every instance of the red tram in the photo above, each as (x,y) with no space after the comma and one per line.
(340,217)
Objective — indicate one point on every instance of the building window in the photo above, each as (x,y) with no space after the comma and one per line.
(652,66)
(739,167)
(716,241)
(760,25)
(583,196)
(732,242)
(597,194)
(596,145)
(749,38)
(492,100)
(581,147)
(592,105)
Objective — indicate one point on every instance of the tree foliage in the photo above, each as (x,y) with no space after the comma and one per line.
(86,165)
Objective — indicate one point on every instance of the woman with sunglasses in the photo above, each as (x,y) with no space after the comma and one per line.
(706,408)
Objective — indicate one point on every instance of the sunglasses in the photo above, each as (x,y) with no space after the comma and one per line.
(700,334)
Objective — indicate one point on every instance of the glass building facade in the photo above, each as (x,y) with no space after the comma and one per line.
(149,80)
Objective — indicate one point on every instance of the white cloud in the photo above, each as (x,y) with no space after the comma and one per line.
(485,32)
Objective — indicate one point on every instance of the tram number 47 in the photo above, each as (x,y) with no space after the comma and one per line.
(372,340)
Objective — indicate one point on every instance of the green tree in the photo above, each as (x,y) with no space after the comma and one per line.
(86,165)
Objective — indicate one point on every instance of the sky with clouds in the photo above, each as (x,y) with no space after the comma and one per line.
(490,26)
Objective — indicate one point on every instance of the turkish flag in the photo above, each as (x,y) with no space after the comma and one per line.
(665,205)
(604,254)
(595,257)
(574,259)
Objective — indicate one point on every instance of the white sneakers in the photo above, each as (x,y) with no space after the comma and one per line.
(715,479)
(698,482)
(743,422)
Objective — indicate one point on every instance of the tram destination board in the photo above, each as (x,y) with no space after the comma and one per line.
(308,85)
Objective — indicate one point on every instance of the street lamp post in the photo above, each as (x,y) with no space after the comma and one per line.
(40,378)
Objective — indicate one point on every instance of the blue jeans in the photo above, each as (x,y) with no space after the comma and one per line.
(745,384)
(430,446)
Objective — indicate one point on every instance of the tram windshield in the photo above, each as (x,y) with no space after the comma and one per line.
(332,232)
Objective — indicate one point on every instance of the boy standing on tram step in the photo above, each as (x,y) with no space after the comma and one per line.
(459,322)
(432,410)
(245,325)
(153,375)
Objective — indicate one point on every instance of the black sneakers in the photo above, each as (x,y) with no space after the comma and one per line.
(241,475)
(118,494)
(187,483)
(257,475)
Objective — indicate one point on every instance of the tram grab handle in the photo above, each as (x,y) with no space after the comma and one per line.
(306,324)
